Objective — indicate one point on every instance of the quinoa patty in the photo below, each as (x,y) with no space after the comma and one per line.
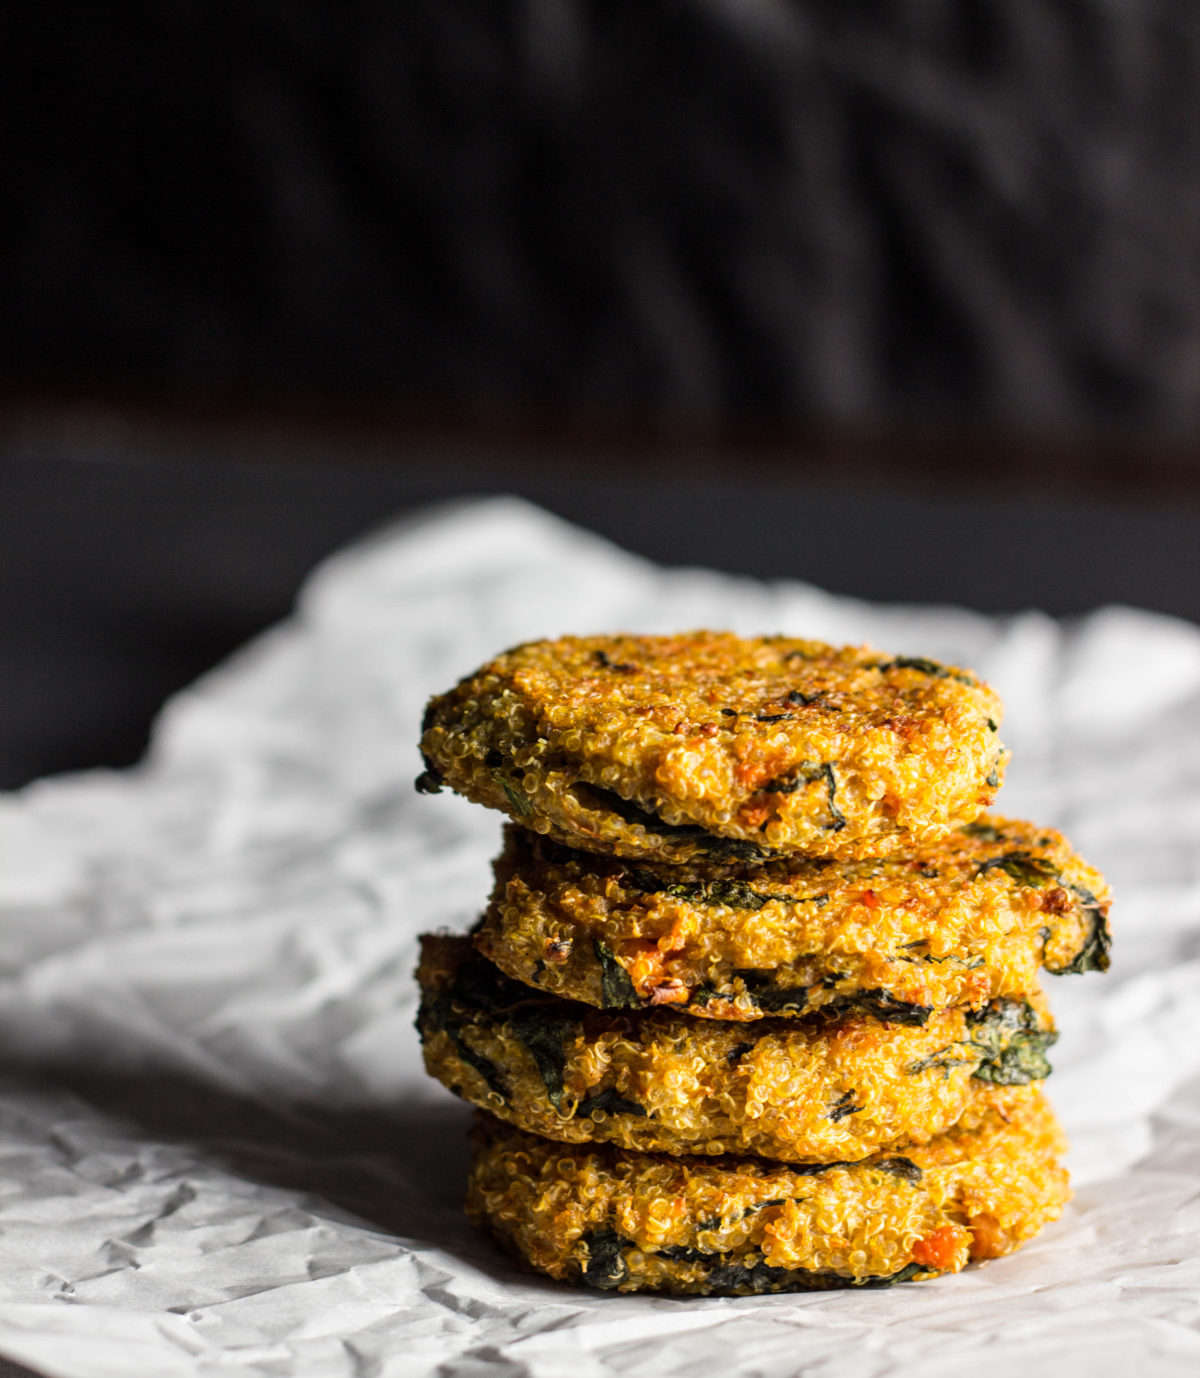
(708,746)
(628,1221)
(796,1090)
(958,922)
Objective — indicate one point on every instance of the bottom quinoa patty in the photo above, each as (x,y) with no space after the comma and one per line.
(626,1221)
(797,1090)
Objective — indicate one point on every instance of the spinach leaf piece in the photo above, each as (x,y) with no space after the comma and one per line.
(518,800)
(775,1001)
(716,848)
(605,660)
(770,998)
(479,985)
(843,1106)
(605,1266)
(880,1003)
(736,894)
(728,1273)
(730,848)
(906,1274)
(1024,867)
(804,774)
(441,1014)
(986,832)
(481,990)
(545,1032)
(926,667)
(1094,954)
(1011,1044)
(616,989)
(901,1167)
(611,1103)
(952,1055)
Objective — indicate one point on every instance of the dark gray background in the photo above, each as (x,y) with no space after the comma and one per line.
(748,213)
(133,558)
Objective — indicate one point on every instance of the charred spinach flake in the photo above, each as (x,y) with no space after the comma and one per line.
(805,774)
(773,717)
(728,848)
(621,666)
(518,800)
(967,963)
(901,1167)
(611,1103)
(786,998)
(722,1221)
(1024,867)
(986,832)
(736,894)
(718,848)
(597,797)
(430,780)
(843,1106)
(925,667)
(952,1055)
(616,989)
(992,778)
(770,998)
(1011,1043)
(605,1267)
(993,726)
(737,1052)
(727,1272)
(1094,954)
(880,1003)
(906,1274)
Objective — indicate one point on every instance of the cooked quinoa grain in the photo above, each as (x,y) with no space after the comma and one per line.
(795,1090)
(629,1221)
(708,746)
(960,921)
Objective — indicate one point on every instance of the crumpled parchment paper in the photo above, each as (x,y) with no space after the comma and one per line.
(220,1155)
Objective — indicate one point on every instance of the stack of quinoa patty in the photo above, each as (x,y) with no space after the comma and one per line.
(755,1004)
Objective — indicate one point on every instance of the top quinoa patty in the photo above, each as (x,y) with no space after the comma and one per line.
(712,747)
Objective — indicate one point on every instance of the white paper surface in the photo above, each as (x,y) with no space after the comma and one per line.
(220,1155)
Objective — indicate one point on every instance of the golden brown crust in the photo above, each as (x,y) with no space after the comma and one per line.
(710,746)
(961,921)
(632,1221)
(794,1090)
